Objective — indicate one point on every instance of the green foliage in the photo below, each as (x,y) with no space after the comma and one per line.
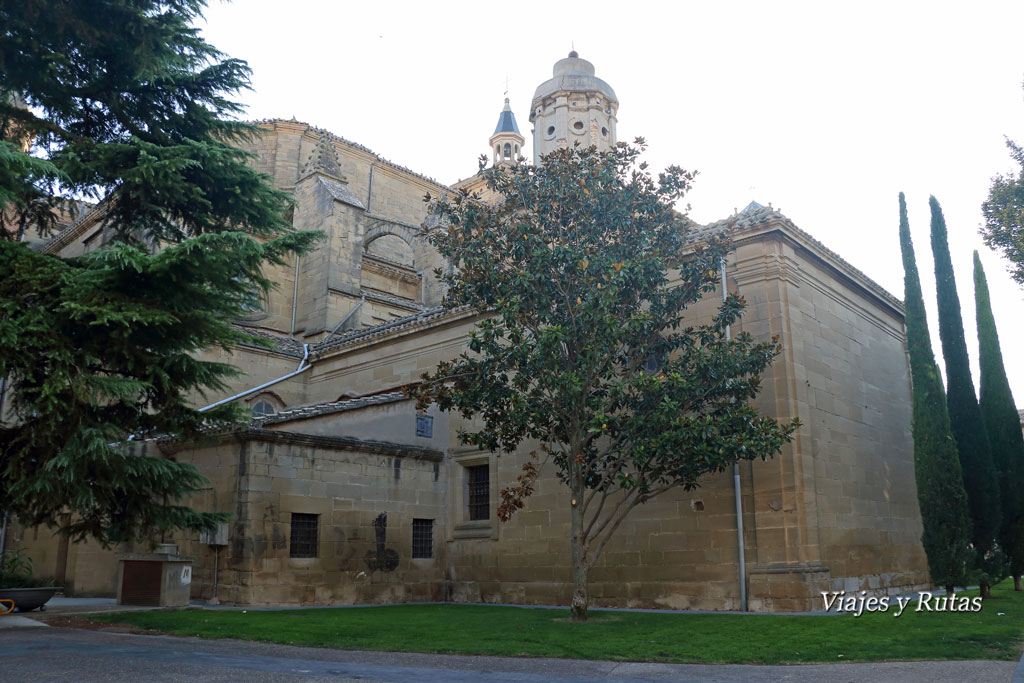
(104,347)
(1004,215)
(16,571)
(123,102)
(993,633)
(125,96)
(1002,423)
(964,414)
(940,486)
(586,272)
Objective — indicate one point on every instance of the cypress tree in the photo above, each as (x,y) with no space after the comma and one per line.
(964,414)
(940,486)
(1002,425)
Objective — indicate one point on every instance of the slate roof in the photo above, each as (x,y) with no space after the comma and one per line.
(330,408)
(506,121)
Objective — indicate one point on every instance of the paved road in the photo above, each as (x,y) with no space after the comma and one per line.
(61,654)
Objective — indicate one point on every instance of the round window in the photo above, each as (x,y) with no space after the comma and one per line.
(551,130)
(578,126)
(604,132)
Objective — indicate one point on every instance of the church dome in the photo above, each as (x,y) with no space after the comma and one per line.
(574,74)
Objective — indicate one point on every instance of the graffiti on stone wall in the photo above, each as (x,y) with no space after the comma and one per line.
(381,559)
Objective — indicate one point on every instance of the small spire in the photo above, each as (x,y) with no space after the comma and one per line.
(324,159)
(506,121)
(506,142)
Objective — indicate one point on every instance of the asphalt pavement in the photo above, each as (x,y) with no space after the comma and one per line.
(67,654)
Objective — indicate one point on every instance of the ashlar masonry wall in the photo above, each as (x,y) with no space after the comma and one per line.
(364,497)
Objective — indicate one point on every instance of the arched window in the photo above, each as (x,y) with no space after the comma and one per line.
(508,151)
(262,408)
(264,404)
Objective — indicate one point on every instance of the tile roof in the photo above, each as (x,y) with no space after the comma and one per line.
(316,410)
(282,344)
(420,319)
(755,216)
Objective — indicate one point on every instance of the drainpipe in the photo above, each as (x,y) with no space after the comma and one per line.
(345,319)
(369,192)
(295,292)
(303,366)
(736,490)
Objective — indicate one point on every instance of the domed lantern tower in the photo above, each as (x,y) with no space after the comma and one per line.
(573,106)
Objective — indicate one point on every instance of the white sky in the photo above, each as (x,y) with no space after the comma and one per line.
(826,110)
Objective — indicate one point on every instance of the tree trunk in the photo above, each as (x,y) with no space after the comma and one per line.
(1016,584)
(986,590)
(580,598)
(949,589)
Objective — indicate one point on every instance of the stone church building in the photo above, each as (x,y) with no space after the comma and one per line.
(340,492)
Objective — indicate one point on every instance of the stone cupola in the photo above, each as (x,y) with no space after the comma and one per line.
(506,142)
(573,106)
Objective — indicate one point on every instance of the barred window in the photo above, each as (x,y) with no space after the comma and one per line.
(422,538)
(304,535)
(424,426)
(479,498)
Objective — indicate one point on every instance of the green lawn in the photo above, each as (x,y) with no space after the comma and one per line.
(714,638)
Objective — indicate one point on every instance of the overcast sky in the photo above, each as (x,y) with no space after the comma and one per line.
(826,110)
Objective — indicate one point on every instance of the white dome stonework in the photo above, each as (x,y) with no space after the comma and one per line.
(573,107)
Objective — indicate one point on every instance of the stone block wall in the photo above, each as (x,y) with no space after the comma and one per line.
(364,502)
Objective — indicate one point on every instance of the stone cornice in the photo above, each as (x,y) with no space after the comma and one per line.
(341,443)
(751,226)
(389,267)
(303,127)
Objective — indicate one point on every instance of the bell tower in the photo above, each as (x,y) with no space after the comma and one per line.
(507,142)
(573,106)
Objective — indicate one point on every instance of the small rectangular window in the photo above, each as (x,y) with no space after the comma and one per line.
(304,535)
(422,538)
(424,426)
(479,498)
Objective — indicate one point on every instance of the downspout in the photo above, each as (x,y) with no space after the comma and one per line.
(737,493)
(369,192)
(303,366)
(295,293)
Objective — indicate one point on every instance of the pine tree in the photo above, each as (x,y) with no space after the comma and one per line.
(940,486)
(1002,424)
(121,102)
(964,414)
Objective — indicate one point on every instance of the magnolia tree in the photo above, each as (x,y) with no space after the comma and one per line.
(586,271)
